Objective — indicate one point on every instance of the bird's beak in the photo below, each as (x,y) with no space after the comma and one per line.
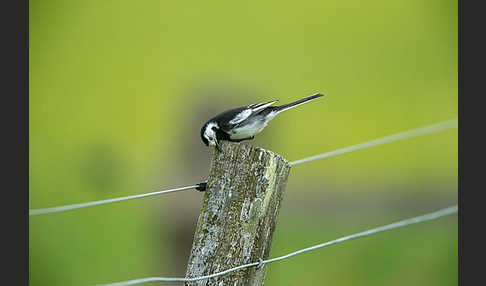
(218,147)
(214,142)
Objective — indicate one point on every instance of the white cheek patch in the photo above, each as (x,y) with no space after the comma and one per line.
(210,134)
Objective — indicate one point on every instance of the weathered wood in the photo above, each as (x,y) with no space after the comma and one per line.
(239,214)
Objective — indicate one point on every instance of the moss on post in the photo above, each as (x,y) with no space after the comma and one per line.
(239,214)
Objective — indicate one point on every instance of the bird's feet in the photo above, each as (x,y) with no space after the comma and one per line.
(219,148)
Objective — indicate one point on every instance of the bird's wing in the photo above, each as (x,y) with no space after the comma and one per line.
(244,114)
(251,109)
(259,106)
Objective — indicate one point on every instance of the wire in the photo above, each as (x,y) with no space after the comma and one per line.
(201,186)
(430,216)
(95,203)
(399,136)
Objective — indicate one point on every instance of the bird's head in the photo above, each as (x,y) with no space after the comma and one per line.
(208,134)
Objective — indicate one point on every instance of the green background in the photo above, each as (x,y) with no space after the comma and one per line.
(120,89)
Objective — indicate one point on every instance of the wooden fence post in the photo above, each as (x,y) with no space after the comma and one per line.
(239,214)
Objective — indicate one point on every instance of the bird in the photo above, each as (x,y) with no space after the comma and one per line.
(243,123)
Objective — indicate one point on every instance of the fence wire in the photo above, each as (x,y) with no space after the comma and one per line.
(95,203)
(383,140)
(399,136)
(430,216)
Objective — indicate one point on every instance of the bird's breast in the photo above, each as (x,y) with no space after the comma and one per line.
(248,129)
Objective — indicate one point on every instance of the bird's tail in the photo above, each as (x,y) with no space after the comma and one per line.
(297,103)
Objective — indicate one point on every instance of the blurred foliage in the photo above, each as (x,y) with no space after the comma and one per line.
(120,89)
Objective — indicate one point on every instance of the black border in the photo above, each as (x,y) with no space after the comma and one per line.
(471,67)
(14,20)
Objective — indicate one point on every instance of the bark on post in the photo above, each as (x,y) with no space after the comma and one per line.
(239,214)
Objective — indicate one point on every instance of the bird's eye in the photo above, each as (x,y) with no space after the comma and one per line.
(214,128)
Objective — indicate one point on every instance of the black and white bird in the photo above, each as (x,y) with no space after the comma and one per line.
(243,123)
